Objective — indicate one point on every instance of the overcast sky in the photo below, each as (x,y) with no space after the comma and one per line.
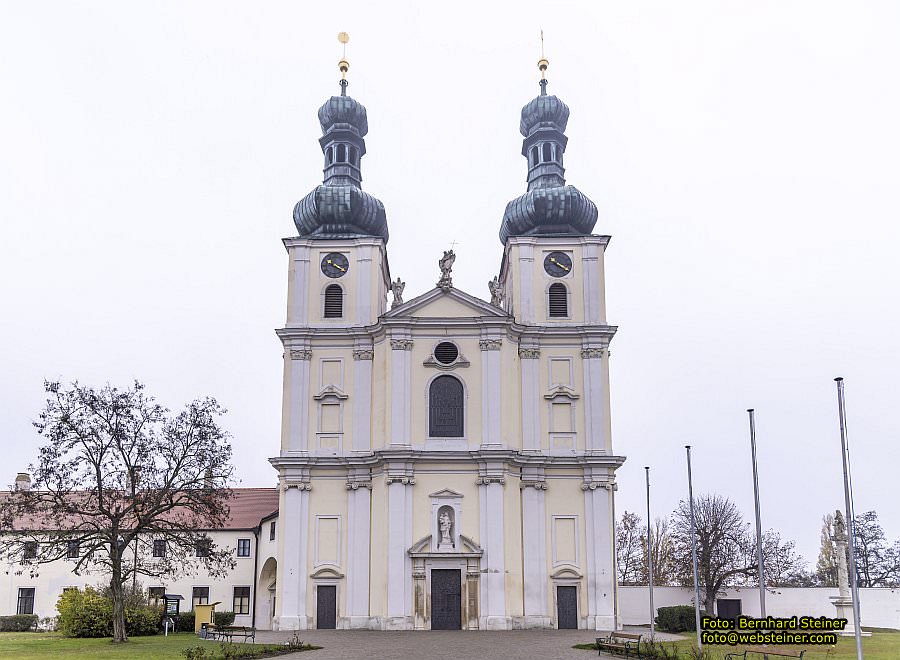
(743,155)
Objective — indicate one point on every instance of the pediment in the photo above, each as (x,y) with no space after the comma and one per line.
(566,573)
(446,493)
(330,391)
(327,574)
(562,391)
(467,546)
(452,303)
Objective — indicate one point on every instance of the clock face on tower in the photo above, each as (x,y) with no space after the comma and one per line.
(558,264)
(335,264)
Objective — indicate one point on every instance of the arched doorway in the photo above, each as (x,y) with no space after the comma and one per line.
(265,595)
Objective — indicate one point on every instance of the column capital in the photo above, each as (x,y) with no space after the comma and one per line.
(490,479)
(301,354)
(605,485)
(398,479)
(490,344)
(537,485)
(363,354)
(401,344)
(594,353)
(299,485)
(529,353)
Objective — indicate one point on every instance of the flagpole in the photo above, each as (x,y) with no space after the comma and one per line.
(759,547)
(694,549)
(650,556)
(851,520)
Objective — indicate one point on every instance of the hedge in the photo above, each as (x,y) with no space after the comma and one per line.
(18,623)
(678,618)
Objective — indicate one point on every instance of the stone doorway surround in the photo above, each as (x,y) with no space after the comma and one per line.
(467,559)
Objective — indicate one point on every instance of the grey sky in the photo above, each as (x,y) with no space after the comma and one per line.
(744,157)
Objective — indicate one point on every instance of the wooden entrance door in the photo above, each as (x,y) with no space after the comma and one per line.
(446,603)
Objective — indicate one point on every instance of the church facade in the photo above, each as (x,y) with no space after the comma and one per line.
(446,461)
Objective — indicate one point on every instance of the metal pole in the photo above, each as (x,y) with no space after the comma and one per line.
(694,549)
(650,557)
(759,547)
(851,521)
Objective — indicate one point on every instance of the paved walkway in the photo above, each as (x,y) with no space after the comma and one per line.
(439,644)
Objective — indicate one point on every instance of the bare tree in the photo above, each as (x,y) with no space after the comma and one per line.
(630,548)
(663,555)
(726,550)
(877,563)
(121,487)
(784,567)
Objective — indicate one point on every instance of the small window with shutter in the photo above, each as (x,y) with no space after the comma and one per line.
(334,301)
(558,303)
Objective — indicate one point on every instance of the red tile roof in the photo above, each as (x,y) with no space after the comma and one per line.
(250,505)
(247,507)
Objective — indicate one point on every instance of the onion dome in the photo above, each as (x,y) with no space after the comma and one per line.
(549,206)
(339,208)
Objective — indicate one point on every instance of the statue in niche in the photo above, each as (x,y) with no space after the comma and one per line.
(445,526)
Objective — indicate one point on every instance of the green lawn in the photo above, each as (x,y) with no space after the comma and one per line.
(28,646)
(882,645)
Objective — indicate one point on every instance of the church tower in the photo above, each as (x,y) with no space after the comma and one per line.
(445,463)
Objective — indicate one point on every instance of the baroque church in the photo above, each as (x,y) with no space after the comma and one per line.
(446,462)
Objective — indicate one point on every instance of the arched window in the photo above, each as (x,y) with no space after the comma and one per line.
(535,156)
(547,153)
(334,302)
(342,153)
(445,408)
(328,156)
(354,157)
(559,304)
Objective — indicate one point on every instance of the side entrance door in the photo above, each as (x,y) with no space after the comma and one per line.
(326,607)
(446,604)
(728,608)
(566,608)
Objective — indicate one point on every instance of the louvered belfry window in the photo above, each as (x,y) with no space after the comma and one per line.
(559,304)
(445,408)
(334,302)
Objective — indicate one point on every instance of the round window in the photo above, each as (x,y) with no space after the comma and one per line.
(446,352)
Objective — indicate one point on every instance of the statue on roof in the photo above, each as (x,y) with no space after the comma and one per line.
(496,290)
(397,289)
(445,263)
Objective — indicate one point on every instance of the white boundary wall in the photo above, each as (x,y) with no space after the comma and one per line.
(879,607)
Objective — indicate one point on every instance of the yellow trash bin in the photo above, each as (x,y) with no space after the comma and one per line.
(204,614)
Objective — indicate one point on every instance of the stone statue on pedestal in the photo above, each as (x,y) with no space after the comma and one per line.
(842,602)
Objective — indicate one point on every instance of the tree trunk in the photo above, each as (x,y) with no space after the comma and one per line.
(118,601)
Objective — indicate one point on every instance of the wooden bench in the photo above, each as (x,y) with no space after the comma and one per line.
(623,642)
(228,633)
(777,651)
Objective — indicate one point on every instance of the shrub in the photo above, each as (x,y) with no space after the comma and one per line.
(195,653)
(223,619)
(18,622)
(184,622)
(678,618)
(87,613)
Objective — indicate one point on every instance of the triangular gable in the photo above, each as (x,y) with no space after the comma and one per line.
(439,303)
(445,492)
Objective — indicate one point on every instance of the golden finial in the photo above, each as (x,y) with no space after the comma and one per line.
(543,63)
(343,65)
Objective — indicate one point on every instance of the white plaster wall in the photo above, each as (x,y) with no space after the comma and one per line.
(879,608)
(53,578)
